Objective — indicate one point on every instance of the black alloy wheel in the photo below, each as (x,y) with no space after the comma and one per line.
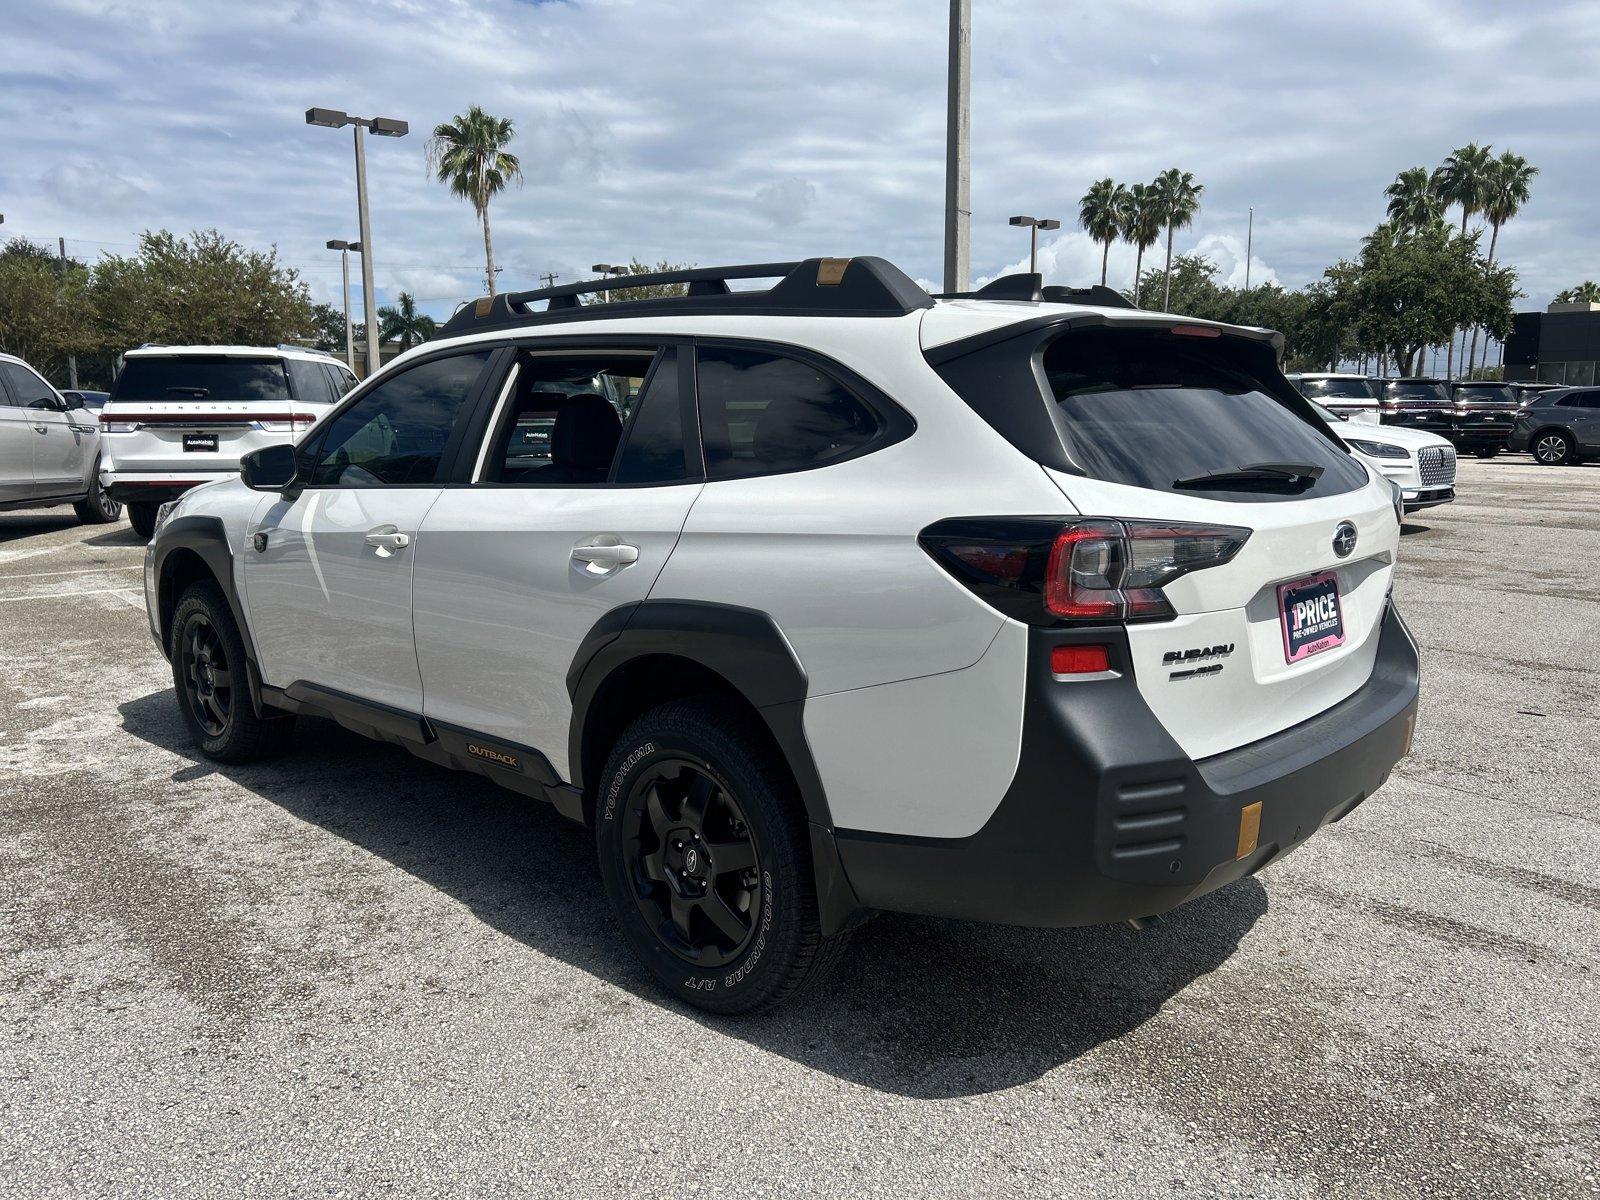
(207,675)
(692,863)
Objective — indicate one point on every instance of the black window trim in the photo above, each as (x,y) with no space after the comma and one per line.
(309,449)
(896,423)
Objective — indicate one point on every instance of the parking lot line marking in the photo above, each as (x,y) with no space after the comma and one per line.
(68,595)
(74,571)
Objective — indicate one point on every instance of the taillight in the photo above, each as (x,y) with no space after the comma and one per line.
(119,426)
(1090,570)
(295,424)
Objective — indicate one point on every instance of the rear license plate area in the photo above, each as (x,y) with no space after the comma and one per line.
(1312,618)
(200,442)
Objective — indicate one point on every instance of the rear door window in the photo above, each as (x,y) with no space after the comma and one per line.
(1151,411)
(152,379)
(763,413)
(310,380)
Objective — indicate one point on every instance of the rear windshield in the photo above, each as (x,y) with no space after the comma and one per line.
(1336,389)
(200,377)
(1402,390)
(1486,395)
(1148,410)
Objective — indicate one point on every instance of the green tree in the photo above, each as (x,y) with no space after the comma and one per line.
(325,328)
(201,289)
(1179,201)
(1414,202)
(469,153)
(1587,292)
(1463,179)
(1141,227)
(651,291)
(1101,214)
(401,322)
(1506,190)
(46,314)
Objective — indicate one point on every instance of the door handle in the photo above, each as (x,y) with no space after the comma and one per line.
(605,556)
(386,539)
(41,429)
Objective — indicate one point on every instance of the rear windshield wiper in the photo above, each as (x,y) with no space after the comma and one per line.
(197,392)
(1288,474)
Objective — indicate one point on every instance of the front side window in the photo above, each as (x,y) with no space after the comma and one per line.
(27,389)
(762,413)
(396,434)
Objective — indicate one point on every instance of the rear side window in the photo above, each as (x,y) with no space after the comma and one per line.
(340,381)
(396,434)
(148,379)
(310,380)
(1157,411)
(763,413)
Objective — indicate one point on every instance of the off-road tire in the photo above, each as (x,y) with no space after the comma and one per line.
(226,728)
(714,740)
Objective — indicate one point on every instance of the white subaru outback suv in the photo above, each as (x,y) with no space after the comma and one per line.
(824,599)
(183,415)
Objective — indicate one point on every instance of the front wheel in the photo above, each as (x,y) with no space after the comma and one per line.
(1552,449)
(143,519)
(706,860)
(97,508)
(209,673)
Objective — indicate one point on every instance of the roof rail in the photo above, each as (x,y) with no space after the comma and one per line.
(819,287)
(1021,286)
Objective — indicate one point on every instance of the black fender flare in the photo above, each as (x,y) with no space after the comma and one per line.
(208,538)
(745,647)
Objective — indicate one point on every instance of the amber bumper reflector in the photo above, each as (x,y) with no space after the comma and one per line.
(1249,828)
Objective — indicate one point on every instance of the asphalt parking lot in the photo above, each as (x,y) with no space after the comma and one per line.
(348,972)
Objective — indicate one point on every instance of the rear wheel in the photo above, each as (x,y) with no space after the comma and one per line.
(143,519)
(97,508)
(705,855)
(208,671)
(1487,451)
(1552,449)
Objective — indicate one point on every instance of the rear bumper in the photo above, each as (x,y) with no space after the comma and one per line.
(156,487)
(1107,819)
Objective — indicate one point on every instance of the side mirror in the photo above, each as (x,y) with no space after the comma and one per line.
(52,404)
(269,469)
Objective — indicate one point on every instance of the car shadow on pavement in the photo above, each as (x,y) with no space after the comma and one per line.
(14,525)
(917,1007)
(117,535)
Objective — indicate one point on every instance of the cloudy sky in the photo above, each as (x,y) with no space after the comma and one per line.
(730,131)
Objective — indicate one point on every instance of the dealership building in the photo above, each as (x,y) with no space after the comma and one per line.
(1559,345)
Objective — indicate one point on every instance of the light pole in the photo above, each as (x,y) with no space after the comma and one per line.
(1249,241)
(1035,224)
(344,249)
(332,118)
(958,150)
(604,270)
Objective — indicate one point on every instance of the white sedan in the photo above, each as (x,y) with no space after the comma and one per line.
(1422,465)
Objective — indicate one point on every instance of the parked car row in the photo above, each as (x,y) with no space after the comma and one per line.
(49,447)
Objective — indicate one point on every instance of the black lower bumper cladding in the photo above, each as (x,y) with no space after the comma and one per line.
(1108,819)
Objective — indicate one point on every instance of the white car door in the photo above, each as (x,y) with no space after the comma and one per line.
(16,443)
(572,512)
(63,443)
(328,577)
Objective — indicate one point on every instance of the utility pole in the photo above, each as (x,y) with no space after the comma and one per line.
(1249,241)
(72,359)
(549,278)
(958,151)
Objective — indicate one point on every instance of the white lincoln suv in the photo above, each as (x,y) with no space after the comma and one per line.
(1020,606)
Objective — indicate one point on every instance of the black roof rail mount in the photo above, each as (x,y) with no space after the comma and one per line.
(816,287)
(1097,294)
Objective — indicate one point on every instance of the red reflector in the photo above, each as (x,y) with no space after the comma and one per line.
(1079,660)
(1195,331)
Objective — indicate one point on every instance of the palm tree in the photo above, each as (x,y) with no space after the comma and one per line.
(1462,179)
(1100,213)
(1414,204)
(469,153)
(1178,197)
(401,322)
(1587,292)
(1141,227)
(1507,186)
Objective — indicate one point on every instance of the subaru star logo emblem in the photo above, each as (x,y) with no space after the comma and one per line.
(1344,539)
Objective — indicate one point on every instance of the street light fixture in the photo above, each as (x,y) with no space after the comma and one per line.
(1035,224)
(344,249)
(333,118)
(608,269)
